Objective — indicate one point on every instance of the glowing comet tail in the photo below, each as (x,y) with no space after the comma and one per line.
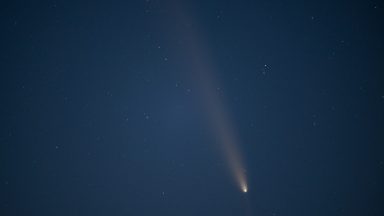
(201,63)
(220,120)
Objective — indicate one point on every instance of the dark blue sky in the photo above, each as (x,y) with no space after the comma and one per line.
(102,112)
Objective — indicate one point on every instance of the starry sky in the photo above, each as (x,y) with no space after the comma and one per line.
(107,107)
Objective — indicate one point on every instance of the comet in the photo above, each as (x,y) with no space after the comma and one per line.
(200,62)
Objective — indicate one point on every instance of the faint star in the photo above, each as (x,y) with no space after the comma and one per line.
(146,116)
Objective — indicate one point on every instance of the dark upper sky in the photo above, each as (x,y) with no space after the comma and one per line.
(102,110)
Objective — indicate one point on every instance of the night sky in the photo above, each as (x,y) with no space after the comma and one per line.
(145,107)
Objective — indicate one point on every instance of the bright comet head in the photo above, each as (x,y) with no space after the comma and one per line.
(244,188)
